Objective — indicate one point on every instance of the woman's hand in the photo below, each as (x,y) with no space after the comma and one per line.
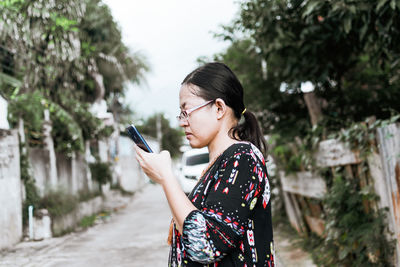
(156,166)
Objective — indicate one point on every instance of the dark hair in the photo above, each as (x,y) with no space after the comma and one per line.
(216,80)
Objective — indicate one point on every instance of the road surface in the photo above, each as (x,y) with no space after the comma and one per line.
(135,235)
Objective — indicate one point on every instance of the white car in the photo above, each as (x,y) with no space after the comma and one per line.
(193,162)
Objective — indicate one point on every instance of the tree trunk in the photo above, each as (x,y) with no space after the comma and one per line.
(314,107)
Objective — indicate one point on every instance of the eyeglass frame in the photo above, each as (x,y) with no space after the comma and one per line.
(184,115)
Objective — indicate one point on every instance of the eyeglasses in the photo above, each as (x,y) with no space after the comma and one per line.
(184,115)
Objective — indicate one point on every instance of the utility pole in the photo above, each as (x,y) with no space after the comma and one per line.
(158,128)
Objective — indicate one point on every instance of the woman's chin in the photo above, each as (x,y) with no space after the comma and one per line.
(194,144)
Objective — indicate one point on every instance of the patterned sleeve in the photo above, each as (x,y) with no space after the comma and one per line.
(209,234)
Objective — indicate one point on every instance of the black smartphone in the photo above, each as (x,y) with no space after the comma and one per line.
(138,138)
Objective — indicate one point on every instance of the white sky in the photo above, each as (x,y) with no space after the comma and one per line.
(172,35)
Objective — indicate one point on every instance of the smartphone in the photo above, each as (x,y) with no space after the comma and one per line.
(138,138)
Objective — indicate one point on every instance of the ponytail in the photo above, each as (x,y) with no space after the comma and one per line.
(249,130)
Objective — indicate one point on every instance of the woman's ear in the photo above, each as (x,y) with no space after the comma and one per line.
(221,107)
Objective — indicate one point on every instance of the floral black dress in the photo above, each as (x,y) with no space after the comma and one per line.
(232,223)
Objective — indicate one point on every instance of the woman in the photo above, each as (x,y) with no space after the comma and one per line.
(226,219)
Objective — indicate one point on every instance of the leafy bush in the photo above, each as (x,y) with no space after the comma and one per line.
(101,172)
(58,203)
(354,235)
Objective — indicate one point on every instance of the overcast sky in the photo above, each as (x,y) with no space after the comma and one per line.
(171,35)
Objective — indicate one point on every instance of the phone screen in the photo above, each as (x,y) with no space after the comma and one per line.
(138,138)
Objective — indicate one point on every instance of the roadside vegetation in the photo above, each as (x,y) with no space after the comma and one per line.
(63,57)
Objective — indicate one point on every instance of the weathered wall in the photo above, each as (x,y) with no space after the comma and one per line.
(71,172)
(131,177)
(40,163)
(81,173)
(10,189)
(64,172)
(70,220)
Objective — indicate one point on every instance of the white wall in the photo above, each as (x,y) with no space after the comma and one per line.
(3,114)
(131,177)
(10,190)
(40,166)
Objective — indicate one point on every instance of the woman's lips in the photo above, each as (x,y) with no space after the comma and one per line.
(188,134)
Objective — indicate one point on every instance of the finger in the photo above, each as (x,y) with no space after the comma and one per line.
(139,152)
(137,149)
(165,152)
(139,160)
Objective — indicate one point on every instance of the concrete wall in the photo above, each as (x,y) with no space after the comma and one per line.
(81,173)
(131,177)
(39,160)
(71,220)
(64,172)
(72,173)
(10,189)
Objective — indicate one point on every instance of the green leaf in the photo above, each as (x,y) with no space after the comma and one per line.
(310,8)
(343,253)
(393,4)
(394,118)
(353,9)
(347,25)
(7,79)
(381,3)
(363,31)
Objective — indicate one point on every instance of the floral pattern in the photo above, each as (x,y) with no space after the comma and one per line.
(232,223)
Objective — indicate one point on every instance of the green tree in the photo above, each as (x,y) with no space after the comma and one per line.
(69,54)
(347,49)
(277,110)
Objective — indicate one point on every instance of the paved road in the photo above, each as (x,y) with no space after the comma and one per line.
(134,236)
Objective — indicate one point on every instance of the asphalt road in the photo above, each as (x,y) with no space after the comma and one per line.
(134,236)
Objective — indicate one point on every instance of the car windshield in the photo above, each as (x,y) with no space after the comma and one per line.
(197,159)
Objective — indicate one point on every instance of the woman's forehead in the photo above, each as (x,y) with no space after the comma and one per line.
(187,95)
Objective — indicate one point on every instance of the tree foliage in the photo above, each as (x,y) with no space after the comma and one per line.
(69,54)
(277,111)
(346,48)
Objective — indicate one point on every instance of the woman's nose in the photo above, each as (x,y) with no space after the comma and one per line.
(183,123)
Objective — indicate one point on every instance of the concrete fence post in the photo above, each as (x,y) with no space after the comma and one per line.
(49,145)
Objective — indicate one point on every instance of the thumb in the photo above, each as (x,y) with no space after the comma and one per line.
(165,152)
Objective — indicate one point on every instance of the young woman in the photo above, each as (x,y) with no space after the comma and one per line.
(226,219)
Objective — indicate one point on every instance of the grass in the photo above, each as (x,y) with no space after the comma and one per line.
(88,221)
(59,203)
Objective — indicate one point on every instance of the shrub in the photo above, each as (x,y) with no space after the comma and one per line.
(59,203)
(101,172)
